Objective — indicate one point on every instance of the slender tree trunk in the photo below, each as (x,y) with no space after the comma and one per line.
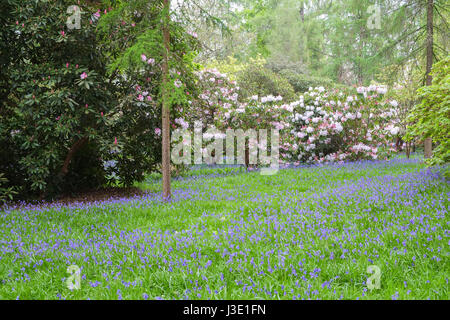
(72,152)
(302,11)
(362,45)
(430,43)
(165,106)
(408,150)
(247,156)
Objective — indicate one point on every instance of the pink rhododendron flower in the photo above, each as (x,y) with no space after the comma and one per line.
(83,75)
(193,34)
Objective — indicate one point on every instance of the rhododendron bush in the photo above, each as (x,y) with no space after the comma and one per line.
(216,92)
(321,126)
(81,108)
(257,113)
(342,125)
(219,107)
(55,99)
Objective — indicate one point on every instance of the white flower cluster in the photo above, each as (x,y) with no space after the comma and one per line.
(361,147)
(393,130)
(271,98)
(372,88)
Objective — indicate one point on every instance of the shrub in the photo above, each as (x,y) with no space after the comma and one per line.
(255,78)
(57,94)
(302,82)
(80,107)
(337,125)
(6,193)
(257,113)
(261,81)
(322,126)
(431,118)
(216,92)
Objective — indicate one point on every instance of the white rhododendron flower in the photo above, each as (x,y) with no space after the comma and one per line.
(382,90)
(395,130)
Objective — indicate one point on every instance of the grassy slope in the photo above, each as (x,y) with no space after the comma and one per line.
(304,233)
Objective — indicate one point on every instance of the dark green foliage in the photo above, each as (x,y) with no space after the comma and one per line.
(55,91)
(259,80)
(302,82)
(63,115)
(6,194)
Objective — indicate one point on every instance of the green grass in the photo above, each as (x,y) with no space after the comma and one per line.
(234,235)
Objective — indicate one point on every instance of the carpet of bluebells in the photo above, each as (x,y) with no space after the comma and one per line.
(308,232)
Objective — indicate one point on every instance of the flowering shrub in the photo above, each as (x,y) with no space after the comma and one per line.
(54,98)
(81,107)
(216,92)
(339,125)
(257,113)
(321,126)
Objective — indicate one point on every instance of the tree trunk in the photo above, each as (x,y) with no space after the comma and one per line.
(399,144)
(247,156)
(77,146)
(302,12)
(165,106)
(430,43)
